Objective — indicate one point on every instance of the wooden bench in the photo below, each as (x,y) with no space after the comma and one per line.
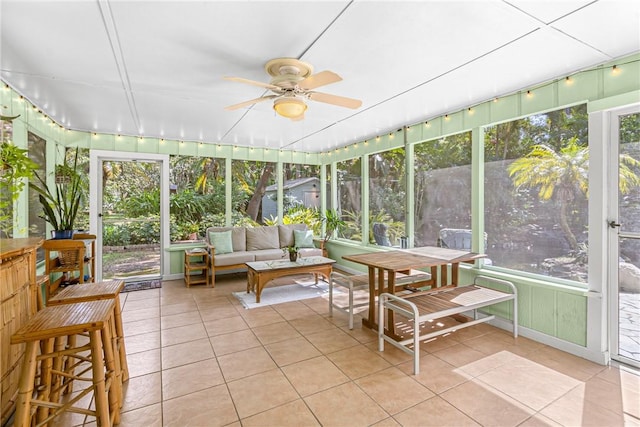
(420,307)
(411,278)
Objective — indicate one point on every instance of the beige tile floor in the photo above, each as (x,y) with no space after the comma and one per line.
(198,358)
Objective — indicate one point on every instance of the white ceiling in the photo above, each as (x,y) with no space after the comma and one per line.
(155,68)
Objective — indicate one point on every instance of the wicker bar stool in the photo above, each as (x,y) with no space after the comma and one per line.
(41,377)
(109,289)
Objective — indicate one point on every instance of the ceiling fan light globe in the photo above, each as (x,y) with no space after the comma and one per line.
(290,107)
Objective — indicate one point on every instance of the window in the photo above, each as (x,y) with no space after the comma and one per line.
(6,198)
(301,189)
(329,200)
(250,181)
(536,194)
(197,196)
(387,197)
(350,198)
(38,153)
(442,210)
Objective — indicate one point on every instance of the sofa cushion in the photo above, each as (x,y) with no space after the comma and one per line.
(233,258)
(286,233)
(262,238)
(221,241)
(268,254)
(238,237)
(303,238)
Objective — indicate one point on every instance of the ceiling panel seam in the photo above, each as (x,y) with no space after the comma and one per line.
(431,80)
(582,42)
(114,40)
(333,21)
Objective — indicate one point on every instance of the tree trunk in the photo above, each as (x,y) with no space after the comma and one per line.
(564,224)
(256,200)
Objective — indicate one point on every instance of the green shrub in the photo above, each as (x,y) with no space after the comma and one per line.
(132,232)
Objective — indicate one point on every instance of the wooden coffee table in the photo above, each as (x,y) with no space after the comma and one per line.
(261,272)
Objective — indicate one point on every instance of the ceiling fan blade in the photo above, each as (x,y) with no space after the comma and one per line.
(320,79)
(250,102)
(252,82)
(335,100)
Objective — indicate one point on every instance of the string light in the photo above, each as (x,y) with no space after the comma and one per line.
(568,80)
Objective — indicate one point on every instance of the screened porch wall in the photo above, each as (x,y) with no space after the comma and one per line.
(557,314)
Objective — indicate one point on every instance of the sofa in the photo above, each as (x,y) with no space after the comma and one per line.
(231,247)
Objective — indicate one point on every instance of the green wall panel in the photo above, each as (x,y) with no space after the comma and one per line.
(147,145)
(126,144)
(626,79)
(503,109)
(572,318)
(166,146)
(543,304)
(187,149)
(452,123)
(524,305)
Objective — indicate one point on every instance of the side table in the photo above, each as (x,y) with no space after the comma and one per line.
(196,267)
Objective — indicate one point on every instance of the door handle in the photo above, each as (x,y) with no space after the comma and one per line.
(613,224)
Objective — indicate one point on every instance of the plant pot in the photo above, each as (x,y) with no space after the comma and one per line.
(61,234)
(293,256)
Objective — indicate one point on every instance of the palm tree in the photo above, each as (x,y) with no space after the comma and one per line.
(562,174)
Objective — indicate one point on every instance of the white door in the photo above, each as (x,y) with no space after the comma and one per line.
(624,235)
(116,263)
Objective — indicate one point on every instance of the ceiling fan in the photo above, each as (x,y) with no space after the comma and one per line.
(292,83)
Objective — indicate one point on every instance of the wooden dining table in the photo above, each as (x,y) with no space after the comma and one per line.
(443,264)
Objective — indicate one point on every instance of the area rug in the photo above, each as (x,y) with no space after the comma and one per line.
(300,290)
(142,286)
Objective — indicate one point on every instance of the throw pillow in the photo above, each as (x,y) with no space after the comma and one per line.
(303,238)
(221,242)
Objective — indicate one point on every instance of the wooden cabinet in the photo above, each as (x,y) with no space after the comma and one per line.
(196,267)
(69,261)
(18,303)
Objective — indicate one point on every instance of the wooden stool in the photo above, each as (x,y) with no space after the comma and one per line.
(95,292)
(47,330)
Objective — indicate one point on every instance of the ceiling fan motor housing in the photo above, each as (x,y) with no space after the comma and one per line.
(292,83)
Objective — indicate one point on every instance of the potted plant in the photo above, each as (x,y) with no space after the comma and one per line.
(191,230)
(15,168)
(61,205)
(292,251)
(333,223)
